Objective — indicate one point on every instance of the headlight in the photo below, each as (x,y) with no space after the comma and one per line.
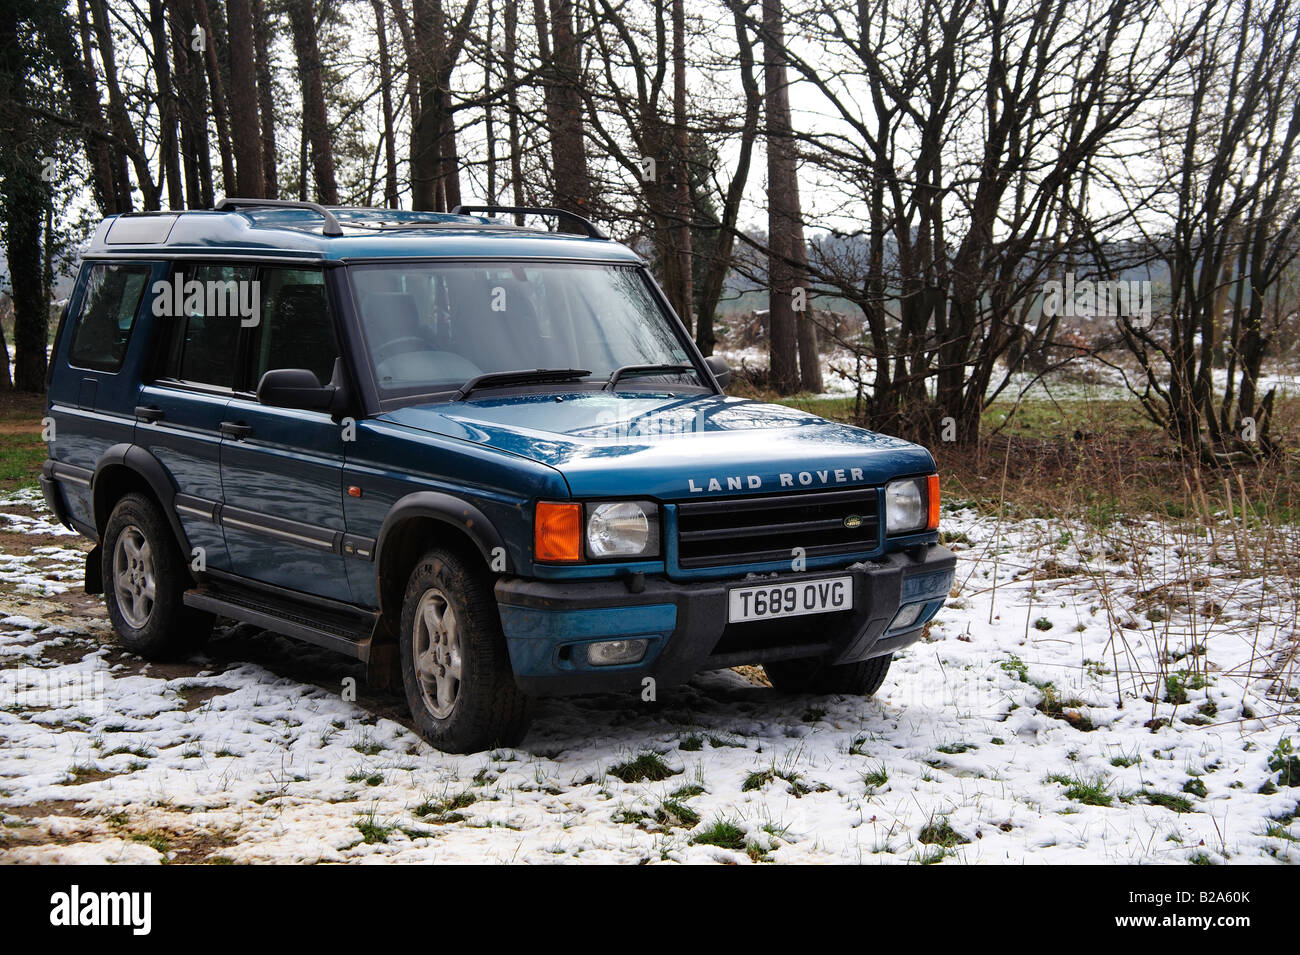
(905,506)
(622,529)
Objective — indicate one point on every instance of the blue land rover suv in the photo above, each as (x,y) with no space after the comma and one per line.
(486,460)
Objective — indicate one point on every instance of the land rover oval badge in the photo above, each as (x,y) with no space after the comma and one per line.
(852,521)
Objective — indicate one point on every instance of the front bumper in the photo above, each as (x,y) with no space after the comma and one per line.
(548,624)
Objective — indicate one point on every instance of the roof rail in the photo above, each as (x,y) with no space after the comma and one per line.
(586,225)
(331,227)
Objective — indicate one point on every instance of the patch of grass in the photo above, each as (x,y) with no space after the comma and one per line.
(22,451)
(1274,831)
(876,777)
(691,744)
(154,839)
(646,767)
(1169,801)
(1017,668)
(757,780)
(688,791)
(629,817)
(1285,762)
(952,749)
(1067,710)
(1042,623)
(444,810)
(1195,787)
(723,833)
(361,776)
(673,814)
(1175,689)
(1090,792)
(1125,760)
(939,832)
(140,751)
(371,830)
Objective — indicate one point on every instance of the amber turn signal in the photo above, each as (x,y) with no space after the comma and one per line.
(557,532)
(932,496)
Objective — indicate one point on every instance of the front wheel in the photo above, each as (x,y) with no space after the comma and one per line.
(812,676)
(455,668)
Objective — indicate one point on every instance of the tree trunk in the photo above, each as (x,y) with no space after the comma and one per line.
(168,136)
(782,216)
(250,182)
(23,198)
(386,94)
(195,156)
(217,95)
(684,212)
(266,97)
(564,110)
(315,121)
(715,275)
(510,62)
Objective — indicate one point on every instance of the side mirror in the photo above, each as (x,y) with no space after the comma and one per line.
(720,370)
(295,388)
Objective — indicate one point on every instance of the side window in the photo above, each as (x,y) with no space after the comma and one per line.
(295,330)
(108,311)
(203,342)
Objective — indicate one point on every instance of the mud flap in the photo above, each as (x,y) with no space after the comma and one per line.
(384,669)
(94,572)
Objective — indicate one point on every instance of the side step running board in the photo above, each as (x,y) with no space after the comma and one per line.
(349,635)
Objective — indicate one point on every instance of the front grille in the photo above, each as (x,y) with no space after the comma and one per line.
(753,530)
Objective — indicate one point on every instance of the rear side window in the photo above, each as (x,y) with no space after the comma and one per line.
(202,342)
(295,330)
(108,310)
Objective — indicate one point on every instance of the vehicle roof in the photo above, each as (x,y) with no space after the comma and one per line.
(367,234)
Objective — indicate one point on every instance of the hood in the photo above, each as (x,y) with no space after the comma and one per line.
(634,444)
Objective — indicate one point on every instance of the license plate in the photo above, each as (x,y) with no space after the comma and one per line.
(787,599)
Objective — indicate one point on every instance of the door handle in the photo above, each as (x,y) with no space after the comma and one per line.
(236,429)
(148,413)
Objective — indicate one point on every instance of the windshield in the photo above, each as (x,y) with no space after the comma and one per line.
(431,327)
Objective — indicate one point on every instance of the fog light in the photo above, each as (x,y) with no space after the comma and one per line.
(611,652)
(907,616)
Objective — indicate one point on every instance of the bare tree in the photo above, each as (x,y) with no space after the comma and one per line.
(1232,228)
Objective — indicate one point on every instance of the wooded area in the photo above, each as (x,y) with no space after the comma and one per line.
(932,164)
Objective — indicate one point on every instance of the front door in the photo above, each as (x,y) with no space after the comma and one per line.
(282,469)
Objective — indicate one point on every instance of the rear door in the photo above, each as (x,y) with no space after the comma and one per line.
(281,468)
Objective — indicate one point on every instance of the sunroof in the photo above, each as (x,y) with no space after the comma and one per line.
(140,230)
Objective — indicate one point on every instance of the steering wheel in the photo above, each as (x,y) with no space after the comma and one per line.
(399,345)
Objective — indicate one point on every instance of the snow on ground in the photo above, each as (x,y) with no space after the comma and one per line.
(1086,696)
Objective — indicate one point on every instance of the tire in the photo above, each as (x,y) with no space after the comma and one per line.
(455,668)
(145,578)
(863,678)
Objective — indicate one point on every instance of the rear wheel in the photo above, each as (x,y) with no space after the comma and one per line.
(145,578)
(455,668)
(812,676)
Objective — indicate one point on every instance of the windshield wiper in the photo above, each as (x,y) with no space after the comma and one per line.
(501,379)
(628,371)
